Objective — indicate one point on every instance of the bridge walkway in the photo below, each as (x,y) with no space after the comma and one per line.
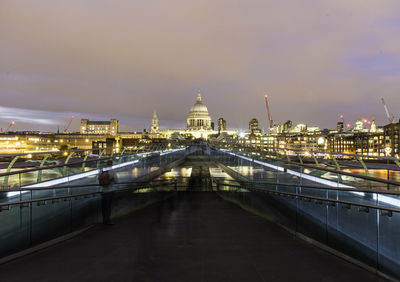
(192,236)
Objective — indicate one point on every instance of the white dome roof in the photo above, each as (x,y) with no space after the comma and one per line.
(199,108)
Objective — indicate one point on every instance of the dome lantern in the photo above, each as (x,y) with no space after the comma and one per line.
(198,99)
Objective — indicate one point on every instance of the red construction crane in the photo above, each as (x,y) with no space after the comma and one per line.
(68,124)
(9,126)
(389,117)
(271,122)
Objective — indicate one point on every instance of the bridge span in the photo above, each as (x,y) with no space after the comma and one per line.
(205,214)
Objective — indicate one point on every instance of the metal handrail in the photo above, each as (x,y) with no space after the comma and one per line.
(366,177)
(64,165)
(46,199)
(60,152)
(21,189)
(265,148)
(78,195)
(54,166)
(69,151)
(250,184)
(315,198)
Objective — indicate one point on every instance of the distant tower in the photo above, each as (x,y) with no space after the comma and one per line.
(287,126)
(340,126)
(373,128)
(154,123)
(253,127)
(221,125)
(358,125)
(84,126)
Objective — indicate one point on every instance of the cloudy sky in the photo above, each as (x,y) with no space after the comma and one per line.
(122,59)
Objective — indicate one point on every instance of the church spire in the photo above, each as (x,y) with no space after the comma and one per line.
(198,99)
(154,123)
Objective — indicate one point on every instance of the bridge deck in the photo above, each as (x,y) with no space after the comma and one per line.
(194,236)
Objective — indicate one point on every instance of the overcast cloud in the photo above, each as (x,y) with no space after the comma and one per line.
(122,59)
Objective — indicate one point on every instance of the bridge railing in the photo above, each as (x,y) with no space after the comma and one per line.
(362,225)
(384,167)
(300,172)
(64,167)
(38,215)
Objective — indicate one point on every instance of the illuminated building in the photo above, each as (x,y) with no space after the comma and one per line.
(358,125)
(341,143)
(198,119)
(154,123)
(287,126)
(287,136)
(392,139)
(221,125)
(305,141)
(369,144)
(363,143)
(253,127)
(199,125)
(373,128)
(340,127)
(101,134)
(45,142)
(99,127)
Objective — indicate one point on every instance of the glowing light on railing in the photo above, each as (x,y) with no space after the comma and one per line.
(387,200)
(292,172)
(85,174)
(381,198)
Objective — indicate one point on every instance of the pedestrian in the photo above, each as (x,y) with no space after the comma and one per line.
(107,195)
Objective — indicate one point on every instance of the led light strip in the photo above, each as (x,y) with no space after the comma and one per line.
(381,198)
(90,173)
(292,172)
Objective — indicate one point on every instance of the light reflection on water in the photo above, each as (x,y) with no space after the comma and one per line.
(177,172)
(216,172)
(245,170)
(255,173)
(124,176)
(378,173)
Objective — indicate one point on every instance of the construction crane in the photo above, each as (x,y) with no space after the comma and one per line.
(68,124)
(271,122)
(9,126)
(390,118)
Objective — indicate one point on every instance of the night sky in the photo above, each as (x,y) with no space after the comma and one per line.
(123,59)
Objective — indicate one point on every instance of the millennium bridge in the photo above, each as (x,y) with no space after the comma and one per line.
(199,212)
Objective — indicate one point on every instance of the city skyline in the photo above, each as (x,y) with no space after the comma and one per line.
(125,59)
(36,120)
(188,140)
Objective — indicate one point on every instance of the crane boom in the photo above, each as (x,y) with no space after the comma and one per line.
(390,118)
(9,126)
(271,123)
(68,124)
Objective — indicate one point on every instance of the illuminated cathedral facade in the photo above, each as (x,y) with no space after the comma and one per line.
(198,123)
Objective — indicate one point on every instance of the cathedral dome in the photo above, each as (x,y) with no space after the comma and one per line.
(199,108)
(198,116)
